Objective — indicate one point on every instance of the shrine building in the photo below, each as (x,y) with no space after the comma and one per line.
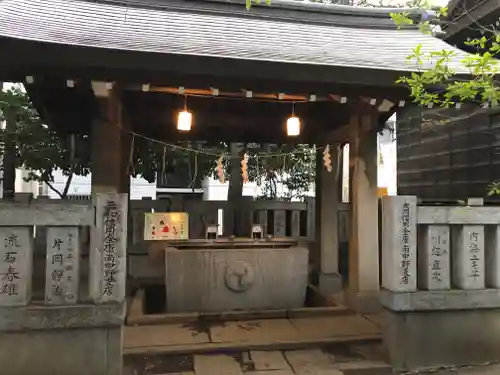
(213,71)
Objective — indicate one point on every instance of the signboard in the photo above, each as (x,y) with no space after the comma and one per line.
(166,226)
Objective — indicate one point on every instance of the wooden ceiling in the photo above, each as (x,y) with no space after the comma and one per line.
(230,115)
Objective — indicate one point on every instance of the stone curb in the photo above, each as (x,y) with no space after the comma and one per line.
(142,319)
(248,345)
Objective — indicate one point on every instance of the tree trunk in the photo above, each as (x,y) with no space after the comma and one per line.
(9,156)
(232,214)
(72,150)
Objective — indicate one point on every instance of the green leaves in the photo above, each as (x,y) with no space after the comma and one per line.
(416,55)
(39,149)
(249,3)
(493,188)
(442,12)
(435,81)
(437,84)
(401,19)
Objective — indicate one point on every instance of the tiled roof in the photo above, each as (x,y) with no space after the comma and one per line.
(136,25)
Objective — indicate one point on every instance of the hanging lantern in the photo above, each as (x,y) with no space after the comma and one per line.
(293,126)
(184,121)
(185,118)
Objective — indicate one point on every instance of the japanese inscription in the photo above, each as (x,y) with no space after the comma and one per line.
(108,258)
(473,255)
(405,244)
(16,253)
(435,258)
(62,268)
(469,273)
(112,222)
(399,242)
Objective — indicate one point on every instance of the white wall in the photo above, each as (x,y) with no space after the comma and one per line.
(81,185)
(387,162)
(213,190)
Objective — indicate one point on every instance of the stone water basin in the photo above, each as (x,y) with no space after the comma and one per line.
(225,275)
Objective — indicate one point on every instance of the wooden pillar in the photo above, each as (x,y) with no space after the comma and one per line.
(109,182)
(126,154)
(327,200)
(237,212)
(126,169)
(363,240)
(106,141)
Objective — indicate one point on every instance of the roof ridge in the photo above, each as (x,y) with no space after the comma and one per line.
(342,15)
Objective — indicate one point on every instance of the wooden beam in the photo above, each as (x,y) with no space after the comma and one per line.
(458,215)
(45,214)
(209,93)
(474,15)
(128,66)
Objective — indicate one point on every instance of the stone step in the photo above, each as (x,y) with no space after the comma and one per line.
(344,359)
(135,315)
(232,335)
(211,347)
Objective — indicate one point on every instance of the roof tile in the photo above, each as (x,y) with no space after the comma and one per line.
(173,31)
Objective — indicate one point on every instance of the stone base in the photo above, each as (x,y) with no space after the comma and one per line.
(430,339)
(83,351)
(57,340)
(364,302)
(330,283)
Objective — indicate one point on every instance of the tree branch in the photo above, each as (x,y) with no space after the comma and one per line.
(51,187)
(68,183)
(36,177)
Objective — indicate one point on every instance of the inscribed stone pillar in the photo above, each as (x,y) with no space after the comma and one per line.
(434,257)
(399,243)
(363,240)
(328,196)
(468,257)
(109,244)
(107,271)
(16,265)
(62,276)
